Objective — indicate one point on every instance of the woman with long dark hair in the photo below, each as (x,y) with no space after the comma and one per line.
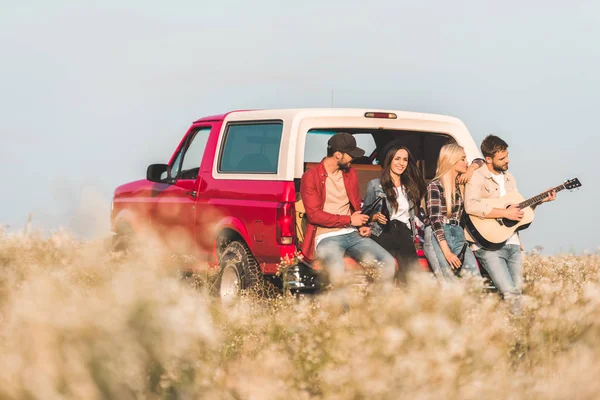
(392,225)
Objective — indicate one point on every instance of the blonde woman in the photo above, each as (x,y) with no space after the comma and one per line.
(444,236)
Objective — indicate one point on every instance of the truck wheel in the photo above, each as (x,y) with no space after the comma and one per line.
(239,272)
(230,282)
(123,239)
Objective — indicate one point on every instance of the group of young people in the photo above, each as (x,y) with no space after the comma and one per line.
(385,238)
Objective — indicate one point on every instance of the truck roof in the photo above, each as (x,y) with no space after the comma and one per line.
(297,122)
(333,112)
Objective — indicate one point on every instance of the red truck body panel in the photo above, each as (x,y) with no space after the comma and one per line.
(189,223)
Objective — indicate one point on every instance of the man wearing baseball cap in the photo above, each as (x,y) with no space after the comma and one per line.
(330,193)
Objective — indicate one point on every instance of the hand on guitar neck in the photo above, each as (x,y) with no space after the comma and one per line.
(551,195)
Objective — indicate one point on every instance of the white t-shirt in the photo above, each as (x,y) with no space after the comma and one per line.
(402,213)
(499,179)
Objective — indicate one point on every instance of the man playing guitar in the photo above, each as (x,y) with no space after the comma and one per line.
(504,264)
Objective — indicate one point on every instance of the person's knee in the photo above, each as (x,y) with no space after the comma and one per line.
(330,257)
(333,267)
(329,250)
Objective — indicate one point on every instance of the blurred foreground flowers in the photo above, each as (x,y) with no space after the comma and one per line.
(78,321)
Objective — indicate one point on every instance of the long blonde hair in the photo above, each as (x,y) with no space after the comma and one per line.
(450,154)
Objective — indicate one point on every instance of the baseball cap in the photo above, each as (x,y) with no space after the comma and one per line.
(345,143)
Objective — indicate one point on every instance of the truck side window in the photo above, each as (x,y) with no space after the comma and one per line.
(192,156)
(251,147)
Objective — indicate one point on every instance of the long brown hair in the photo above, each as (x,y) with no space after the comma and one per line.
(411,179)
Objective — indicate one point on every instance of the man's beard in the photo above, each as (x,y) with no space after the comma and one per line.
(500,168)
(344,166)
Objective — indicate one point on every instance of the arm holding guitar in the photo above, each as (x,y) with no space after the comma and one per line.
(513,212)
(474,205)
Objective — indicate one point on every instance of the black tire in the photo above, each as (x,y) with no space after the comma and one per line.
(239,272)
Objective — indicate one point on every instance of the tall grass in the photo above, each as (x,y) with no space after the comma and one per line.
(78,321)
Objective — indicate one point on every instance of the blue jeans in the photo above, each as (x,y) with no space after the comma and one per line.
(505,267)
(331,251)
(455,237)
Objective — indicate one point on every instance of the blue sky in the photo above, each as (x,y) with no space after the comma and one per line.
(91,93)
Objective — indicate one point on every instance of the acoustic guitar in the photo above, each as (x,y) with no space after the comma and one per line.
(492,233)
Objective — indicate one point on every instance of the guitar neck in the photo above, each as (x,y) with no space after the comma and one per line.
(539,198)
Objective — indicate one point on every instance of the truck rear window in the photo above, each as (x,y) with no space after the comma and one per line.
(251,147)
(424,146)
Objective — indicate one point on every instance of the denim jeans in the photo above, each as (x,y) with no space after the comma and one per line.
(430,252)
(506,270)
(455,237)
(331,251)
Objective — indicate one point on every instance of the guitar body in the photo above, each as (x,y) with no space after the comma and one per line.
(493,233)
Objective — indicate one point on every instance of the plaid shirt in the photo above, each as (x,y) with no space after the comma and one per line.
(436,208)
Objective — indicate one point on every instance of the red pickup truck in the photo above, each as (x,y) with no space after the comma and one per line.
(229,195)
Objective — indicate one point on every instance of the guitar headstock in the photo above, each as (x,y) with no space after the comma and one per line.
(572,184)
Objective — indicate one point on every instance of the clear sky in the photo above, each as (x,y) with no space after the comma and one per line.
(93,92)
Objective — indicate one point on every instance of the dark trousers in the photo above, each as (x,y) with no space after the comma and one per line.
(397,239)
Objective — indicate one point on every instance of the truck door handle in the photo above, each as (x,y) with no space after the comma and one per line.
(192,193)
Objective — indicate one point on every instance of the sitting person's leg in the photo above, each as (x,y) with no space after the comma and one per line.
(368,252)
(389,242)
(455,236)
(470,265)
(446,273)
(330,252)
(406,253)
(430,253)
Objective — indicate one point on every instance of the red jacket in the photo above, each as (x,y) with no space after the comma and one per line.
(312,192)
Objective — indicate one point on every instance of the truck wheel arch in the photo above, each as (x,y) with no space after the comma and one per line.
(125,218)
(230,229)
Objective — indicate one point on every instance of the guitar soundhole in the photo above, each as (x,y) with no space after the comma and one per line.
(509,222)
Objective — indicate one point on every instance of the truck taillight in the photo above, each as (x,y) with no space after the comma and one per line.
(285,223)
